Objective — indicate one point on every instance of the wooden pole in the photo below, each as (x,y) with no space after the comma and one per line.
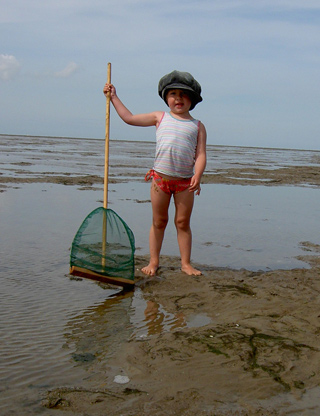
(106,172)
(106,156)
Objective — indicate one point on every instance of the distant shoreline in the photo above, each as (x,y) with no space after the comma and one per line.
(151,141)
(77,161)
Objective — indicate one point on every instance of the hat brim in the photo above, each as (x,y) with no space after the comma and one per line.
(194,96)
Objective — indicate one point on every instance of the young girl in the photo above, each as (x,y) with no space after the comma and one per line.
(179,163)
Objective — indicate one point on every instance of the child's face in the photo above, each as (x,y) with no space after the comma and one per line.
(178,101)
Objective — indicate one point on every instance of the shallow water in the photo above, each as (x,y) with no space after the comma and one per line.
(52,327)
(256,228)
(41,308)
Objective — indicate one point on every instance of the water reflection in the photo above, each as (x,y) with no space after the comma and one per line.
(149,317)
(100,330)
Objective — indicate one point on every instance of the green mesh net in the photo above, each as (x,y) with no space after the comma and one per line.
(104,244)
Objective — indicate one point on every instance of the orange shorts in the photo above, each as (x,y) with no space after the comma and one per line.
(169,186)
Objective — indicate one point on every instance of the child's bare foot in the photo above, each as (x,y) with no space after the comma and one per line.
(188,269)
(150,270)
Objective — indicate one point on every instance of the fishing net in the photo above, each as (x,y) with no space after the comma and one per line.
(104,244)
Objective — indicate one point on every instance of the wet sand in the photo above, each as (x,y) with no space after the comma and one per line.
(80,162)
(241,342)
(259,354)
(296,175)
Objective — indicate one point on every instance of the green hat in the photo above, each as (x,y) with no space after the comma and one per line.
(183,81)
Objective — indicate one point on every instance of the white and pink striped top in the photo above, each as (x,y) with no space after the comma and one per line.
(176,146)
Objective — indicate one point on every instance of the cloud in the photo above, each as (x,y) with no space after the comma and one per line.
(69,70)
(9,67)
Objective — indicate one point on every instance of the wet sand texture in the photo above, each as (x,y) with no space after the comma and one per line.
(258,355)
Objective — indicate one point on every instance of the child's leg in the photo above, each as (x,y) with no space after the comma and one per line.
(160,205)
(184,204)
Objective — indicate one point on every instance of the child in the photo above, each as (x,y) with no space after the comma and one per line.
(180,161)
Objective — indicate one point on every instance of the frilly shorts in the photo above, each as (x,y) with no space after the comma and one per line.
(169,186)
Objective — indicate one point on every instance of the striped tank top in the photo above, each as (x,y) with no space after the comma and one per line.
(176,146)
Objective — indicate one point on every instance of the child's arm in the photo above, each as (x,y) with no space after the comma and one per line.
(200,160)
(143,120)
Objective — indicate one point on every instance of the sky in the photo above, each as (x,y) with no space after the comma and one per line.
(258,63)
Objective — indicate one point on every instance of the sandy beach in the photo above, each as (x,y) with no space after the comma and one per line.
(229,342)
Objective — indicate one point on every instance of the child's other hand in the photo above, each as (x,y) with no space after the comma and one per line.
(111,88)
(195,185)
(198,190)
